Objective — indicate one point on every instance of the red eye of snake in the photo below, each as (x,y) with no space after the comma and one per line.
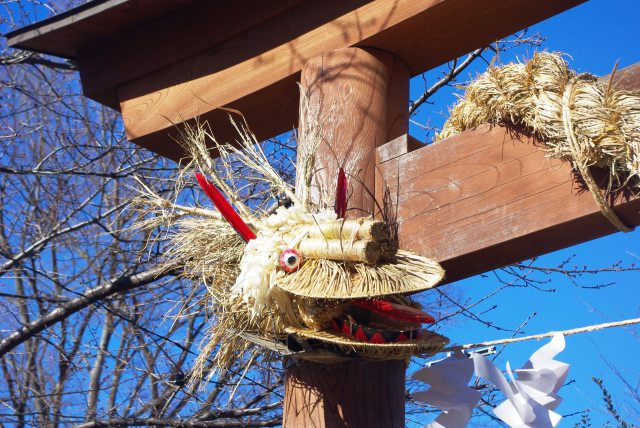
(290,260)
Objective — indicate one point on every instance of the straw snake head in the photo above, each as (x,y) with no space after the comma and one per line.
(337,280)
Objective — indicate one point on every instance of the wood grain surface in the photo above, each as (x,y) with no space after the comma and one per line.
(244,71)
(150,47)
(352,394)
(359,96)
(487,198)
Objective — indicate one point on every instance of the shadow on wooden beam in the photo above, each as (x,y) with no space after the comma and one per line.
(485,199)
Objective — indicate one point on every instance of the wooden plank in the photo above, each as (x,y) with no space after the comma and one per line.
(66,33)
(424,33)
(261,116)
(398,147)
(150,47)
(627,79)
(359,96)
(486,198)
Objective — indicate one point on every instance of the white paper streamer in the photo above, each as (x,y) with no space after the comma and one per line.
(449,392)
(534,395)
(530,399)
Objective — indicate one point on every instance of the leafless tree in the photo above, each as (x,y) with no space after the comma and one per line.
(88,333)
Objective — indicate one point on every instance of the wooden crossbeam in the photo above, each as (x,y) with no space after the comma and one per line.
(166,63)
(487,198)
(256,71)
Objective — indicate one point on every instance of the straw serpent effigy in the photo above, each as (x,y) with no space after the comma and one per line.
(301,270)
(578,118)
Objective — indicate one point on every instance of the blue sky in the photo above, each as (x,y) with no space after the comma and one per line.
(596,35)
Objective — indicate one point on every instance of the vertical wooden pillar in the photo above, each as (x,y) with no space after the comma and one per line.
(359,97)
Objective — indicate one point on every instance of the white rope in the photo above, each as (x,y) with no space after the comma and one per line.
(586,329)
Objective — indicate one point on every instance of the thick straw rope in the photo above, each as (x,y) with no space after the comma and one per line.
(579,119)
(580,161)
(579,330)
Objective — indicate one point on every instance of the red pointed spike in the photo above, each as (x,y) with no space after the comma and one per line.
(361,336)
(225,208)
(341,194)
(334,325)
(346,329)
(377,338)
(402,338)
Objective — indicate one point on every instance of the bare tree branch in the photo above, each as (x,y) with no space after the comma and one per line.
(32,58)
(118,285)
(449,77)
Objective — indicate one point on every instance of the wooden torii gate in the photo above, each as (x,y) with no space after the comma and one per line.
(475,202)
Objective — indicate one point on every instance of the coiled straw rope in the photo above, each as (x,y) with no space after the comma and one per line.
(579,118)
(582,166)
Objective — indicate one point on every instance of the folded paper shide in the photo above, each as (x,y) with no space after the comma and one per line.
(530,399)
(298,269)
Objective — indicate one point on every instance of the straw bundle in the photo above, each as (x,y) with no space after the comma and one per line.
(430,343)
(405,273)
(579,118)
(353,240)
(351,230)
(336,249)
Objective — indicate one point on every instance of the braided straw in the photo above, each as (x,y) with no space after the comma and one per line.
(579,119)
(579,330)
(581,163)
(431,343)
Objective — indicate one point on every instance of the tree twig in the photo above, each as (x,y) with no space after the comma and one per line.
(178,423)
(64,311)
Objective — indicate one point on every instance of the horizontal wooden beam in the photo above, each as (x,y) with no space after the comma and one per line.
(167,41)
(488,198)
(66,33)
(627,79)
(251,69)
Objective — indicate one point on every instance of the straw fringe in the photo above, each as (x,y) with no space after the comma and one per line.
(405,273)
(579,118)
(431,343)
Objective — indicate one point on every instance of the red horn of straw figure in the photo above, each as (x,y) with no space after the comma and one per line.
(225,208)
(341,195)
